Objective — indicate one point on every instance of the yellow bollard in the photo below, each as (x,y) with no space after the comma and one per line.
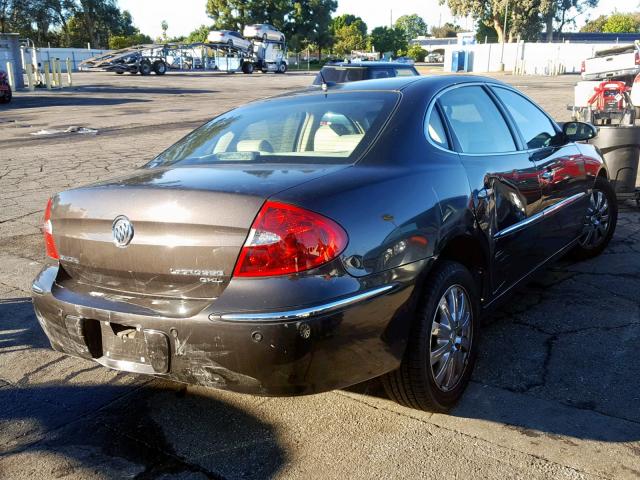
(47,76)
(30,81)
(10,75)
(54,80)
(69,67)
(54,74)
(59,65)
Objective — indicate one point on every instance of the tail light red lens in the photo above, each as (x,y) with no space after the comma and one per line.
(582,67)
(637,58)
(47,229)
(286,239)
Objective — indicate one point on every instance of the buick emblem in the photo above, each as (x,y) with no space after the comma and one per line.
(122,231)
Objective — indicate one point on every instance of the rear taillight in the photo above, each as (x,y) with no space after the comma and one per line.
(47,229)
(637,58)
(582,67)
(286,239)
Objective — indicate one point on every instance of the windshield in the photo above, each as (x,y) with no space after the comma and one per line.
(323,128)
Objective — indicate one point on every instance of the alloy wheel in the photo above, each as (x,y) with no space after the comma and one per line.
(450,338)
(596,222)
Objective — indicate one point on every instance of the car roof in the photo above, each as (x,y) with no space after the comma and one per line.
(371,64)
(430,82)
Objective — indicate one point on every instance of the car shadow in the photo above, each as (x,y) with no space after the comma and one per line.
(19,329)
(43,101)
(159,431)
(549,364)
(139,90)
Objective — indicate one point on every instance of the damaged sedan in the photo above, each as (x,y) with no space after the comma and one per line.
(320,239)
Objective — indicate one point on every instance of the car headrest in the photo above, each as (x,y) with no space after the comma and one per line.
(254,146)
(327,140)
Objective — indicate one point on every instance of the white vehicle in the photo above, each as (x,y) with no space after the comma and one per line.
(229,37)
(621,62)
(264,32)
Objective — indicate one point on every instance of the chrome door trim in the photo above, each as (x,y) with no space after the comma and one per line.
(304,313)
(539,216)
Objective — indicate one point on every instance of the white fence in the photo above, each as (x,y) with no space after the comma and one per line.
(525,58)
(76,55)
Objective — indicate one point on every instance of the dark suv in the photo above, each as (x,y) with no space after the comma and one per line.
(344,72)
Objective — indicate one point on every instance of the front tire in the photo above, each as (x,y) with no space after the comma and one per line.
(443,343)
(599,222)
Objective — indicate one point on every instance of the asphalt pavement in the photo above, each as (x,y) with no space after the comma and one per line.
(556,392)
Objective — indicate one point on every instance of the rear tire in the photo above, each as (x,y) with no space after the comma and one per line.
(145,68)
(247,67)
(159,67)
(434,343)
(600,221)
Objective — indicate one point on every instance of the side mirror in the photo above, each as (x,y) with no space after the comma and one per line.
(579,131)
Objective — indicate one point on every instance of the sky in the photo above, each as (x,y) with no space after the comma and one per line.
(183,16)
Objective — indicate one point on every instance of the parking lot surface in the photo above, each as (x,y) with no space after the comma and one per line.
(556,392)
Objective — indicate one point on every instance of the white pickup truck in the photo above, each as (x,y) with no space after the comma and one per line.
(620,63)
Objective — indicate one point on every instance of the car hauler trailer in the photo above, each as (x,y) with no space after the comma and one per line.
(266,56)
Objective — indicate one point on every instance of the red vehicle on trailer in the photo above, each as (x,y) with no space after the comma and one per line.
(5,88)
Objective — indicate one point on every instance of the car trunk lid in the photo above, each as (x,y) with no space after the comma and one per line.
(188,225)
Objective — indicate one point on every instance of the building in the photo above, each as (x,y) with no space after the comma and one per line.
(433,43)
(10,53)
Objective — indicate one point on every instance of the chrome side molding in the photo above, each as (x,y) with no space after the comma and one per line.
(539,216)
(303,313)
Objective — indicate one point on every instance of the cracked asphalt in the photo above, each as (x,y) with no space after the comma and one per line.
(556,392)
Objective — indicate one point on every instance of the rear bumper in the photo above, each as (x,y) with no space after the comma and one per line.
(612,75)
(306,350)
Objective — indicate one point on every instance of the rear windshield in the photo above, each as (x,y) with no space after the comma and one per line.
(336,74)
(322,128)
(340,75)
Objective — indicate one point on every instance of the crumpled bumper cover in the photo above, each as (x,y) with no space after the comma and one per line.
(318,350)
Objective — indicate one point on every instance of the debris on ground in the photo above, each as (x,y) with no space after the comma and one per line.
(71,129)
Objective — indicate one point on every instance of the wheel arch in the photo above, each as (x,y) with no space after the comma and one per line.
(469,250)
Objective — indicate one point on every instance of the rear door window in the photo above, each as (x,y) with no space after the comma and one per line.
(536,128)
(476,121)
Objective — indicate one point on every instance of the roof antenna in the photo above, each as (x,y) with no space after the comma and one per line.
(324,85)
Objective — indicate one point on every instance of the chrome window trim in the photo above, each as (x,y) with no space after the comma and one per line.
(304,313)
(432,105)
(539,216)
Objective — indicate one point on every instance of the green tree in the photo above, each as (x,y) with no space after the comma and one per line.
(200,34)
(596,25)
(385,39)
(416,53)
(622,23)
(346,20)
(165,26)
(447,30)
(348,38)
(310,23)
(228,14)
(562,12)
(413,26)
(117,42)
(524,20)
